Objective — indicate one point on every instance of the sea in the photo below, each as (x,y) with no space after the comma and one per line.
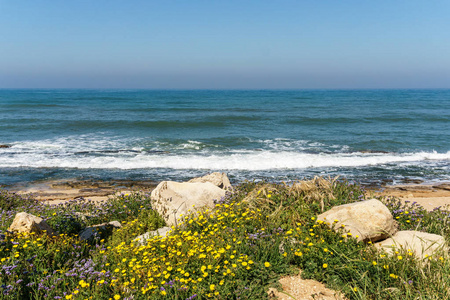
(367,136)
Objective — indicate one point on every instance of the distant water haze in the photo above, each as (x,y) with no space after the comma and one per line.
(365,135)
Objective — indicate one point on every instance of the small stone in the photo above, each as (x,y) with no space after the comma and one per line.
(88,232)
(218,179)
(161,232)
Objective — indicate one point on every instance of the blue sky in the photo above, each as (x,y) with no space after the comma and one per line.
(225,44)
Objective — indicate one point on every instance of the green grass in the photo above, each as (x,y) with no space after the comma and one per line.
(257,234)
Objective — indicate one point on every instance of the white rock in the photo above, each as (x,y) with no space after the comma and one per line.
(88,232)
(24,222)
(422,244)
(171,199)
(160,232)
(368,220)
(218,179)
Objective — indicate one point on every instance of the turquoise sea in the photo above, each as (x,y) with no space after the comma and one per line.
(370,136)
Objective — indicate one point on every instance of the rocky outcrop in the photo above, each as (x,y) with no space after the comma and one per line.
(368,220)
(25,222)
(173,199)
(89,232)
(161,232)
(218,179)
(5,146)
(421,244)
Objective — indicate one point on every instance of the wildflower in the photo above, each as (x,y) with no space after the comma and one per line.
(393,276)
(325,266)
(267,264)
(212,287)
(116,297)
(399,257)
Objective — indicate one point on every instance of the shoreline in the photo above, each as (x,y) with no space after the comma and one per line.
(428,195)
(58,191)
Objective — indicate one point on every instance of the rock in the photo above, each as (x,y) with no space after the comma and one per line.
(295,287)
(161,232)
(5,146)
(24,222)
(370,220)
(88,232)
(422,244)
(171,199)
(218,179)
(442,186)
(83,216)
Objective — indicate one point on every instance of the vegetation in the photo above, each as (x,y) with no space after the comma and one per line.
(237,250)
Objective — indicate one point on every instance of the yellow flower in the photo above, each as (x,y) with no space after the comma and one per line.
(212,287)
(267,264)
(374,263)
(399,257)
(325,266)
(116,297)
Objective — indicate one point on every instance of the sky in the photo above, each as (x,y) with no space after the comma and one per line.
(228,44)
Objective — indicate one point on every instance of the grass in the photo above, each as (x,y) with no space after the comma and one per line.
(237,250)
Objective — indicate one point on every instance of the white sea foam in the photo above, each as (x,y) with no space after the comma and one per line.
(102,152)
(60,156)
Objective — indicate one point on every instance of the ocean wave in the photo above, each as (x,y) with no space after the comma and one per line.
(250,160)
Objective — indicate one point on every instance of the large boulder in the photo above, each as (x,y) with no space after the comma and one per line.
(171,199)
(218,179)
(421,244)
(25,222)
(89,232)
(368,220)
